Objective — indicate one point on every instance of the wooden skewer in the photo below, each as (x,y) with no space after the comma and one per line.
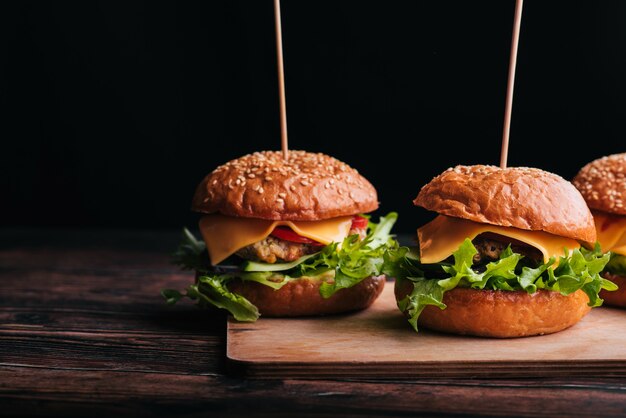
(511,84)
(281,80)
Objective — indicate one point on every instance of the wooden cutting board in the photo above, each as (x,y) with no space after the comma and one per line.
(379,343)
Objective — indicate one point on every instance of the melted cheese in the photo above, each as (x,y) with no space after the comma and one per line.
(442,236)
(224,235)
(611,232)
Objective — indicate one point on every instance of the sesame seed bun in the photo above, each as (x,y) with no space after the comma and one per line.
(305,187)
(501,313)
(520,197)
(602,183)
(302,297)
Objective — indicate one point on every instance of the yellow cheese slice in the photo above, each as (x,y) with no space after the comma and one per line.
(443,236)
(224,235)
(611,232)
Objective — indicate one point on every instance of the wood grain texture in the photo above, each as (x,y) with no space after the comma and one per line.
(83,333)
(148,394)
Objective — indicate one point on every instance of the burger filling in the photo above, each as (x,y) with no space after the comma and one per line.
(281,257)
(278,250)
(489,247)
(495,262)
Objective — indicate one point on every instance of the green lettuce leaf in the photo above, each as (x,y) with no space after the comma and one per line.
(425,292)
(381,232)
(579,269)
(191,253)
(212,291)
(356,259)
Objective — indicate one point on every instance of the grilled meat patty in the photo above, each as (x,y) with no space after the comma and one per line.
(272,250)
(490,250)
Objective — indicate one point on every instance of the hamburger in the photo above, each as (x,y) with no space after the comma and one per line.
(285,237)
(503,258)
(602,183)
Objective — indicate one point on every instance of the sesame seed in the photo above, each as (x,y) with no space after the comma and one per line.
(304,183)
(251,175)
(260,190)
(292,188)
(282,195)
(268,178)
(279,200)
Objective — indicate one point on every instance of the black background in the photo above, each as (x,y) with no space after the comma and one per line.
(112,112)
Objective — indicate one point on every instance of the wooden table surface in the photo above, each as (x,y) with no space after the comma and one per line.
(84,332)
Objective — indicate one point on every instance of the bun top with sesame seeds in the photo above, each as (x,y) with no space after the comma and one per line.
(305,187)
(602,183)
(520,197)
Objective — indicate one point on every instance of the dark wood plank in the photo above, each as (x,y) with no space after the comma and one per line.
(101,310)
(105,393)
(95,280)
(147,352)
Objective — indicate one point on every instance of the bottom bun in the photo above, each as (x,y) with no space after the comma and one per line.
(502,314)
(302,297)
(617,297)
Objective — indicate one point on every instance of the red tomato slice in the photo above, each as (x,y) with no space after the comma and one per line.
(359,222)
(288,234)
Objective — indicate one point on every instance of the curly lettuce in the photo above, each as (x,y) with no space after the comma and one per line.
(337,266)
(579,269)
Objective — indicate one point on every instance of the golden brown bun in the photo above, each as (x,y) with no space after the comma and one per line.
(302,297)
(602,183)
(306,187)
(500,313)
(521,197)
(617,297)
